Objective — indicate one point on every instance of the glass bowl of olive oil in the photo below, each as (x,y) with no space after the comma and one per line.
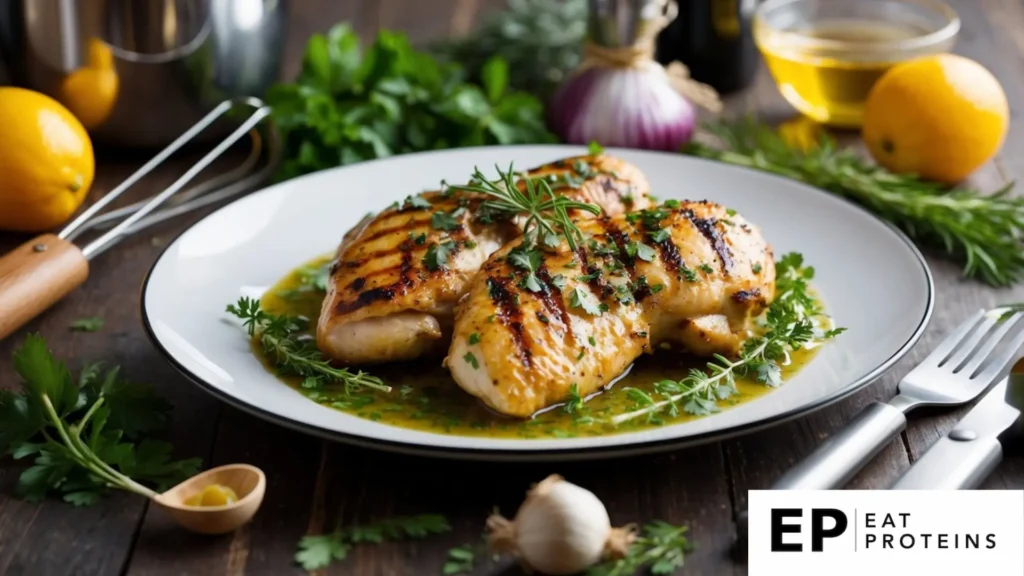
(825,55)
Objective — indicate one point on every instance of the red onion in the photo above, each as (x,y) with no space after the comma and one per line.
(635,107)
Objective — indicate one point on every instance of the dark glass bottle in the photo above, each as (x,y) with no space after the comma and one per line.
(713,38)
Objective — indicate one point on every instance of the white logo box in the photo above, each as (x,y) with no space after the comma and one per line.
(905,532)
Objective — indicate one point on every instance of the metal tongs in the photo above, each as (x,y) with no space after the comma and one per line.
(40,272)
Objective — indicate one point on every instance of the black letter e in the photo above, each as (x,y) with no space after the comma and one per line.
(778,529)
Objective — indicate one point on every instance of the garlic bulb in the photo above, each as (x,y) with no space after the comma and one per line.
(560,528)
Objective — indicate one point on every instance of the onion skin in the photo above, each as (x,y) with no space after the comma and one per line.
(622,107)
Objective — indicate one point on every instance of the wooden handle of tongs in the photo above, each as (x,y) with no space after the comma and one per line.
(35,276)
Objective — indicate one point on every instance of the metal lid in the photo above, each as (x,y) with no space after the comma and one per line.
(619,23)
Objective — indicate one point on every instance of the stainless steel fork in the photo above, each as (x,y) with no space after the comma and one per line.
(961,368)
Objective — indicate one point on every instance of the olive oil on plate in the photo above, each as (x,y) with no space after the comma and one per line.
(424,397)
(828,89)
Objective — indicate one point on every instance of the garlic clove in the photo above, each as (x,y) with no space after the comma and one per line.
(559,529)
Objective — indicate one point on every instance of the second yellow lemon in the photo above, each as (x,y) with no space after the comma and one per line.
(46,161)
(940,117)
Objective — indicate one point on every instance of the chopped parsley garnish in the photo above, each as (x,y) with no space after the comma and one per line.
(657,288)
(730,211)
(437,255)
(706,268)
(415,202)
(659,236)
(592,341)
(471,360)
(558,281)
(689,274)
(645,252)
(420,238)
(595,149)
(447,221)
(474,338)
(756,268)
(580,299)
(528,260)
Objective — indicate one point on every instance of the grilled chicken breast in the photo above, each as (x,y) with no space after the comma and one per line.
(690,274)
(397,275)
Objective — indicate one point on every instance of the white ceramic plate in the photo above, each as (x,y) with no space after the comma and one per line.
(874,282)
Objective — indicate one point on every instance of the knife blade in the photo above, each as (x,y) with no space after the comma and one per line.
(964,457)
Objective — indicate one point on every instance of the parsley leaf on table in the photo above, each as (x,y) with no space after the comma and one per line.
(80,435)
(92,324)
(318,551)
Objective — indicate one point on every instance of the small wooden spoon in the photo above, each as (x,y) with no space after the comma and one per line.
(248,482)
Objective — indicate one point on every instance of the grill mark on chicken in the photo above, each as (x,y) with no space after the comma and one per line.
(620,239)
(706,226)
(669,254)
(551,296)
(357,284)
(381,292)
(595,279)
(510,315)
(748,296)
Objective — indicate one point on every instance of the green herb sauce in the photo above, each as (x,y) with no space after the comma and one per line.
(424,396)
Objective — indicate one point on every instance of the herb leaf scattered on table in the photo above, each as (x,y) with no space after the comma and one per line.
(85,436)
(318,551)
(346,106)
(93,324)
(661,548)
(984,233)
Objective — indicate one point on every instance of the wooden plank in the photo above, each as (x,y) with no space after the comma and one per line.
(53,537)
(265,545)
(316,17)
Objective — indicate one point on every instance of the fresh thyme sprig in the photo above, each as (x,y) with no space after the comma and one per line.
(982,232)
(546,212)
(790,323)
(279,337)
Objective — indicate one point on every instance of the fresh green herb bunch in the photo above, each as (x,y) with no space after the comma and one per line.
(542,41)
(85,436)
(790,322)
(347,107)
(983,232)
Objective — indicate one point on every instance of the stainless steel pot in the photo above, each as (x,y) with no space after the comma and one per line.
(139,72)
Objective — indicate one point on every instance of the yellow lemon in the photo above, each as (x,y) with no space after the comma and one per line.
(46,161)
(940,117)
(91,91)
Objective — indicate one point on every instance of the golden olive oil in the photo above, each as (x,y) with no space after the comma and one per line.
(829,89)
(424,396)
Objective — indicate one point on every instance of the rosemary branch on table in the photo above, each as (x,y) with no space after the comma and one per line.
(982,232)
(790,323)
(279,336)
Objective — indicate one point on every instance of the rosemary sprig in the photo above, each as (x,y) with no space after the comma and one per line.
(279,337)
(545,211)
(982,232)
(790,323)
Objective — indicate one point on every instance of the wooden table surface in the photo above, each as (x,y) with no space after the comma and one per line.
(315,484)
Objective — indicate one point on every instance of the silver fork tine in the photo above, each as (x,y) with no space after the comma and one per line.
(972,362)
(1000,362)
(965,349)
(954,338)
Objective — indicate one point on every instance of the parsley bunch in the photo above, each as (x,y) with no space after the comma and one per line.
(347,106)
(789,324)
(281,339)
(983,232)
(318,551)
(85,436)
